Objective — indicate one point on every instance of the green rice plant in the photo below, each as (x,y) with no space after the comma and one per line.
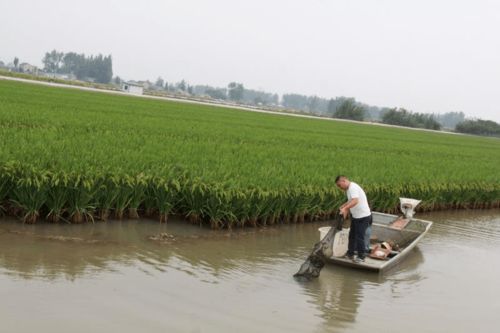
(302,204)
(164,194)
(275,207)
(262,203)
(138,185)
(257,205)
(122,190)
(5,184)
(383,198)
(103,153)
(56,197)
(108,189)
(217,207)
(328,203)
(29,193)
(191,200)
(81,203)
(240,208)
(122,200)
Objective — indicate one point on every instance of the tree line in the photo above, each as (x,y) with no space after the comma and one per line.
(479,127)
(235,92)
(402,117)
(97,68)
(339,107)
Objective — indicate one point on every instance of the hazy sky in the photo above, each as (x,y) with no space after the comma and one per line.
(427,56)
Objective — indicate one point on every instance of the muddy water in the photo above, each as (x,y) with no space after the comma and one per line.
(108,277)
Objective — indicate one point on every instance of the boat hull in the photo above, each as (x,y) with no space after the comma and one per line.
(406,238)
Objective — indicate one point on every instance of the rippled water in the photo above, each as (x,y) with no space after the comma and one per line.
(109,277)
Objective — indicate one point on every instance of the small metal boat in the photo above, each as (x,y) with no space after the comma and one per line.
(402,232)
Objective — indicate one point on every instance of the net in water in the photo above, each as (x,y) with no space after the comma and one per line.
(322,250)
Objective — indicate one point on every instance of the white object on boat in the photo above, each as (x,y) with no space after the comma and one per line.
(340,241)
(408,206)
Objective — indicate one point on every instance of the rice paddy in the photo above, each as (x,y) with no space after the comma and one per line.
(75,156)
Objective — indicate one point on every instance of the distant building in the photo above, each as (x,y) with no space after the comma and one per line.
(132,88)
(27,68)
(145,84)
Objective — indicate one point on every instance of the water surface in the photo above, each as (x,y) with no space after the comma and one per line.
(109,277)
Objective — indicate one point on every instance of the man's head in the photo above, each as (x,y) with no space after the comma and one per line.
(342,182)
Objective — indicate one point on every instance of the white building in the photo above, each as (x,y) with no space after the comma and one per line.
(132,88)
(27,68)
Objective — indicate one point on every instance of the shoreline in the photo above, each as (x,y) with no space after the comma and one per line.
(181,219)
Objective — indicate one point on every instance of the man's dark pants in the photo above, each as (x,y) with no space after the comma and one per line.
(357,236)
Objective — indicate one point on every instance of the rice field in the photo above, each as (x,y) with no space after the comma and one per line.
(75,156)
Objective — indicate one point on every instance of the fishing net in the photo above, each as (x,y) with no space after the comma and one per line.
(322,250)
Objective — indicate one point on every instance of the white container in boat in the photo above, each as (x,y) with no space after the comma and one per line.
(340,241)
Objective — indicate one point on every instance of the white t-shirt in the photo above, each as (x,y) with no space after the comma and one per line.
(361,209)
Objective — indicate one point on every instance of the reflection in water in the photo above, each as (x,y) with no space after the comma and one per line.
(242,280)
(466,226)
(406,276)
(52,251)
(337,295)
(339,291)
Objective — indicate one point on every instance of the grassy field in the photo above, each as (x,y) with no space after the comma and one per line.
(75,155)
(27,76)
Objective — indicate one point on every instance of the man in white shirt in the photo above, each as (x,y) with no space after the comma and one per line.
(361,218)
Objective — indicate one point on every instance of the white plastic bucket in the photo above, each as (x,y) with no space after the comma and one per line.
(340,241)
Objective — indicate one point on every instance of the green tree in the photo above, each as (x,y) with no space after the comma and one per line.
(479,127)
(181,85)
(102,68)
(52,60)
(16,62)
(332,106)
(72,62)
(313,103)
(216,93)
(402,117)
(160,83)
(350,109)
(235,91)
(450,119)
(96,68)
(295,101)
(259,101)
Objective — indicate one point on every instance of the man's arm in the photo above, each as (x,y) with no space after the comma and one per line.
(344,209)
